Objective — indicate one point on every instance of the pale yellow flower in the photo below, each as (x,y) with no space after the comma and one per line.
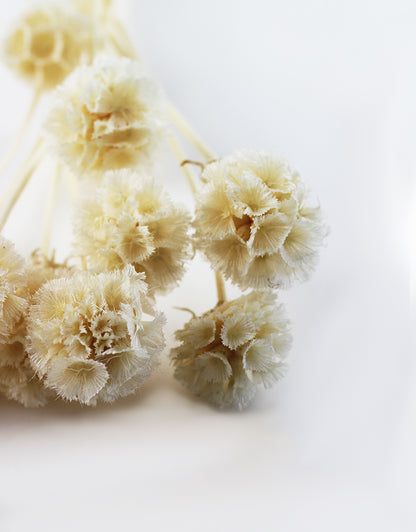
(230,351)
(131,220)
(19,283)
(106,116)
(47,43)
(254,221)
(90,339)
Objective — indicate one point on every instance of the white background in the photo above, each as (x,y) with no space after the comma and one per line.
(331,86)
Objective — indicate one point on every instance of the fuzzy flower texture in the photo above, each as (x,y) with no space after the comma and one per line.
(254,221)
(47,44)
(230,351)
(106,116)
(131,220)
(89,339)
(19,281)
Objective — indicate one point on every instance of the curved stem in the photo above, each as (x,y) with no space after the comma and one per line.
(50,209)
(177,150)
(21,133)
(187,130)
(19,184)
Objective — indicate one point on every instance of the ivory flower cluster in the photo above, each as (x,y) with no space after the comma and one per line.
(255,223)
(90,333)
(89,338)
(48,43)
(131,220)
(106,116)
(227,353)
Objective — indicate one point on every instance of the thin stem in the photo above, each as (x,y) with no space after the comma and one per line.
(50,209)
(120,40)
(19,184)
(177,150)
(22,131)
(221,293)
(187,130)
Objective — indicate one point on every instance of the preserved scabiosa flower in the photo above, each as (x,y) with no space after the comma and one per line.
(90,339)
(230,351)
(131,220)
(254,221)
(19,282)
(48,43)
(106,116)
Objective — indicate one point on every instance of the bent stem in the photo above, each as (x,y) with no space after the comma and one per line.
(50,209)
(19,184)
(183,125)
(177,150)
(21,133)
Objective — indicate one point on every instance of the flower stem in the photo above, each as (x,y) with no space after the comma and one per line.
(187,130)
(177,150)
(19,184)
(22,131)
(50,209)
(221,293)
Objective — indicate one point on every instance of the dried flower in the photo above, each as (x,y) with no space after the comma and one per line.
(106,116)
(131,220)
(254,222)
(88,336)
(48,43)
(19,283)
(232,349)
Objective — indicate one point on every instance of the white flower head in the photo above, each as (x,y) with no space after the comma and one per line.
(47,43)
(254,221)
(19,282)
(106,116)
(90,338)
(131,220)
(230,351)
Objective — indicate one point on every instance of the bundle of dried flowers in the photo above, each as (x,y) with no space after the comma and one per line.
(90,332)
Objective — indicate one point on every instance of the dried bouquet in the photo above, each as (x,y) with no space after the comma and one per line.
(87,330)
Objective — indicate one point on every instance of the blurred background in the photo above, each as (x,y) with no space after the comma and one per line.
(331,86)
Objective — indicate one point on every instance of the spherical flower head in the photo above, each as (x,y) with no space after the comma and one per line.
(48,43)
(131,220)
(20,282)
(89,336)
(230,351)
(106,116)
(254,221)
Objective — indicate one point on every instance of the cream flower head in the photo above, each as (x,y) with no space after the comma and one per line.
(131,220)
(19,283)
(106,116)
(89,338)
(232,349)
(48,43)
(254,221)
